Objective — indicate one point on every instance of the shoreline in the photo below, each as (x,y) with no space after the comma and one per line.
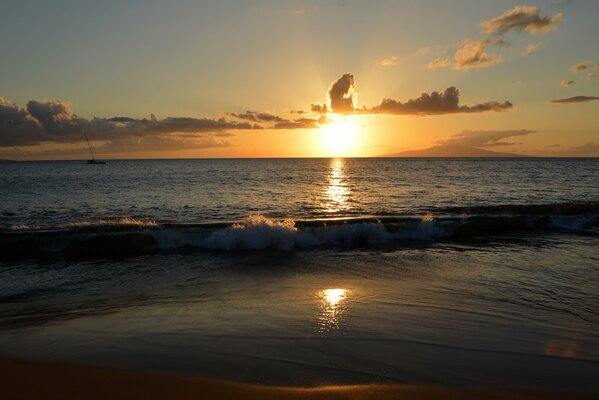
(36,380)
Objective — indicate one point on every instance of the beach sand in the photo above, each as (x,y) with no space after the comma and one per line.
(27,380)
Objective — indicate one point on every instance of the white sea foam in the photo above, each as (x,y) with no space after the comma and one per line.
(259,232)
(115,222)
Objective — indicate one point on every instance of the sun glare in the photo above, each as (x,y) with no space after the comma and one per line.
(339,137)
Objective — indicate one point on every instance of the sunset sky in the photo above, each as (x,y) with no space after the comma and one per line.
(154,79)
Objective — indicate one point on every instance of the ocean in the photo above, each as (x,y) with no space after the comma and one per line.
(307,271)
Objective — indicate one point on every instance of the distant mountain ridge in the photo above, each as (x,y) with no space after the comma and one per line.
(452,151)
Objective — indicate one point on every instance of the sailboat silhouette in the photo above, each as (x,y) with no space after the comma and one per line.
(93,159)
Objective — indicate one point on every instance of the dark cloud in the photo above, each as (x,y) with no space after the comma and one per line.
(54,121)
(583,66)
(521,19)
(575,99)
(319,108)
(258,117)
(484,138)
(17,125)
(446,102)
(302,123)
(341,94)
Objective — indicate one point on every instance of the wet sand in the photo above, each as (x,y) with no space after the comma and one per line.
(26,380)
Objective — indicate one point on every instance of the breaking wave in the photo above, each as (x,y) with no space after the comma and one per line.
(129,236)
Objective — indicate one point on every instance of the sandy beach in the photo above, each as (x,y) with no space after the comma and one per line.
(26,380)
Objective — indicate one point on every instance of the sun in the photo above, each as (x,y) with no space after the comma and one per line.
(339,137)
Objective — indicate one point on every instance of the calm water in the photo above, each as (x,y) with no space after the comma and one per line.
(51,194)
(307,271)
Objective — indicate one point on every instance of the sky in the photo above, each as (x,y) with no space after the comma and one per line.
(179,79)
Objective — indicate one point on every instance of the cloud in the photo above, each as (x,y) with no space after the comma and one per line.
(54,121)
(583,66)
(531,49)
(592,75)
(473,54)
(319,108)
(588,148)
(575,99)
(424,50)
(446,102)
(521,19)
(566,83)
(258,117)
(441,62)
(129,144)
(341,99)
(484,138)
(387,62)
(341,96)
(17,125)
(301,123)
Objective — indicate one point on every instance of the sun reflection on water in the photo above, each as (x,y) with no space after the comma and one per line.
(336,192)
(332,307)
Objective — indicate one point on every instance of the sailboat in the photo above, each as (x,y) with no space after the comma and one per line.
(93,160)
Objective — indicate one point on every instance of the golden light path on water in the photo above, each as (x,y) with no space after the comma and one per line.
(337,192)
(332,309)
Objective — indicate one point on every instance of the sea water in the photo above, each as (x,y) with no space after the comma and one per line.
(307,271)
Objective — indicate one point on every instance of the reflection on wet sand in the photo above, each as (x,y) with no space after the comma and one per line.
(332,309)
(336,192)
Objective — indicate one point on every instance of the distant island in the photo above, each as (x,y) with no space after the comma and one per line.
(452,151)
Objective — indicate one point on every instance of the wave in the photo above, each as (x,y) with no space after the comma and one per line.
(129,236)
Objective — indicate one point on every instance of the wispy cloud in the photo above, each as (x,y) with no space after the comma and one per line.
(441,62)
(424,50)
(575,99)
(389,61)
(531,49)
(485,138)
(566,83)
(473,54)
(592,75)
(583,66)
(521,19)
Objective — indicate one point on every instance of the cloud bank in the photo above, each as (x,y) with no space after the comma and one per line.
(54,121)
(484,138)
(343,89)
(434,103)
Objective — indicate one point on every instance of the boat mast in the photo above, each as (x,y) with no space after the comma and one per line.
(90,147)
